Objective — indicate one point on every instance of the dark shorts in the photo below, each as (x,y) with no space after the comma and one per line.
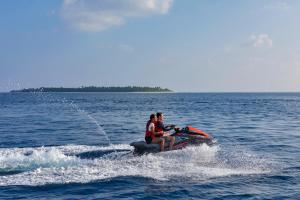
(148,139)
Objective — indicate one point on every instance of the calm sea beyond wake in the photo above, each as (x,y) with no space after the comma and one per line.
(76,146)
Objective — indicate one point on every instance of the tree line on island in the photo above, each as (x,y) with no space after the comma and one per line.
(96,89)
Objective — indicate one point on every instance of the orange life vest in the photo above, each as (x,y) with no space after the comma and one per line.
(149,133)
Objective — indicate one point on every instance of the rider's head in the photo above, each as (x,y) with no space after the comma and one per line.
(152,118)
(159,116)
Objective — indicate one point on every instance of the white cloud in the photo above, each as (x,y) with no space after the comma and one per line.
(262,40)
(278,6)
(283,5)
(99,15)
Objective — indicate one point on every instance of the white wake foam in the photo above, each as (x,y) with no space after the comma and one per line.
(23,160)
(59,165)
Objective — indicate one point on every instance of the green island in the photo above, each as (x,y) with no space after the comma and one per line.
(96,89)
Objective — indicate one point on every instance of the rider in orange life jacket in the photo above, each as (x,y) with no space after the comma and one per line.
(151,136)
(161,130)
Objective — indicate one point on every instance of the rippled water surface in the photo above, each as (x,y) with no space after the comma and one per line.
(76,146)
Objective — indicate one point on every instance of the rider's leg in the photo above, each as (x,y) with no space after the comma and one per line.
(162,144)
(160,141)
(172,141)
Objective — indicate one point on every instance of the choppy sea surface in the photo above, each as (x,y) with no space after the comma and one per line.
(76,146)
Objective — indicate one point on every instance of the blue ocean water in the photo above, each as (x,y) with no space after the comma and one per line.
(76,146)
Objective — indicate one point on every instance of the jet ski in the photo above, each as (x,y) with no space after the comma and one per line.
(184,137)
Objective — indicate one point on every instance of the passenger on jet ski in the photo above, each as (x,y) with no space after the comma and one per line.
(151,136)
(161,128)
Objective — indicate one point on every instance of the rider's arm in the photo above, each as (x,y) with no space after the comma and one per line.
(161,133)
(152,129)
(161,126)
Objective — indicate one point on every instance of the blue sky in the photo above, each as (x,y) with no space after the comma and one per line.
(185,45)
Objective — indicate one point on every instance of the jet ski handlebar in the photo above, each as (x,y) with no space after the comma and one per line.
(172,126)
